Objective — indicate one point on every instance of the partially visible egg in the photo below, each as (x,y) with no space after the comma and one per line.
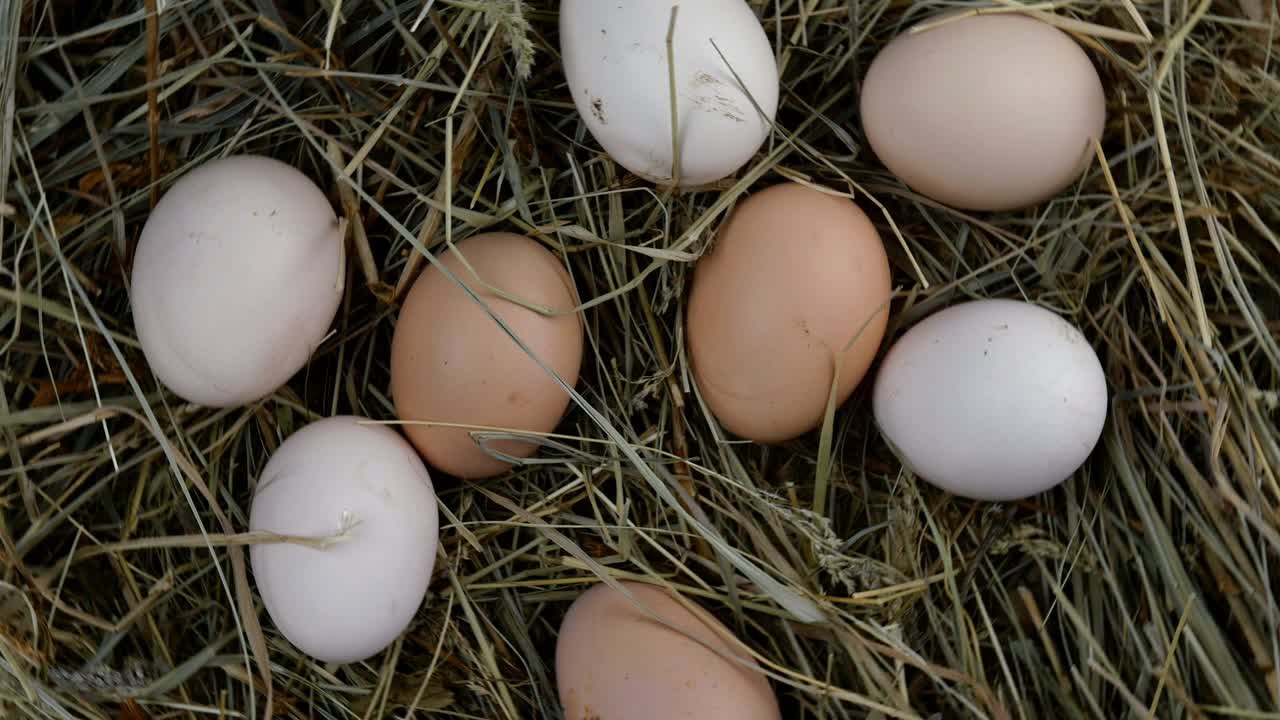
(989,112)
(992,399)
(796,279)
(615,60)
(638,660)
(364,488)
(236,279)
(451,363)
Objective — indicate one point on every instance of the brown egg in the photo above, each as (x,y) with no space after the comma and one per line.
(451,363)
(794,277)
(615,662)
(988,112)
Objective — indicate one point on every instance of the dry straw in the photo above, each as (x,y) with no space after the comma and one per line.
(1142,588)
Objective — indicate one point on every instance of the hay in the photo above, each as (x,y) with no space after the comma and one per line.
(1141,588)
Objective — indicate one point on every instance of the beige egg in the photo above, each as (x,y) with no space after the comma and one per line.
(615,661)
(988,112)
(797,279)
(452,363)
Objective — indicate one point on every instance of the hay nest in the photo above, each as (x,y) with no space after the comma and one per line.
(1142,587)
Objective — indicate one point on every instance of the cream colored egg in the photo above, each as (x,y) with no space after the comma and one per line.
(988,112)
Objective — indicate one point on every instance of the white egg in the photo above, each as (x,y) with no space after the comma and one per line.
(364,485)
(992,399)
(236,279)
(615,59)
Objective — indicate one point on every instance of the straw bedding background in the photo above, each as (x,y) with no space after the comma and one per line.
(1143,587)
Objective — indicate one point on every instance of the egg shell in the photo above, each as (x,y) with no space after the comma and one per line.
(992,399)
(236,279)
(989,112)
(794,275)
(615,61)
(349,601)
(451,363)
(617,661)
